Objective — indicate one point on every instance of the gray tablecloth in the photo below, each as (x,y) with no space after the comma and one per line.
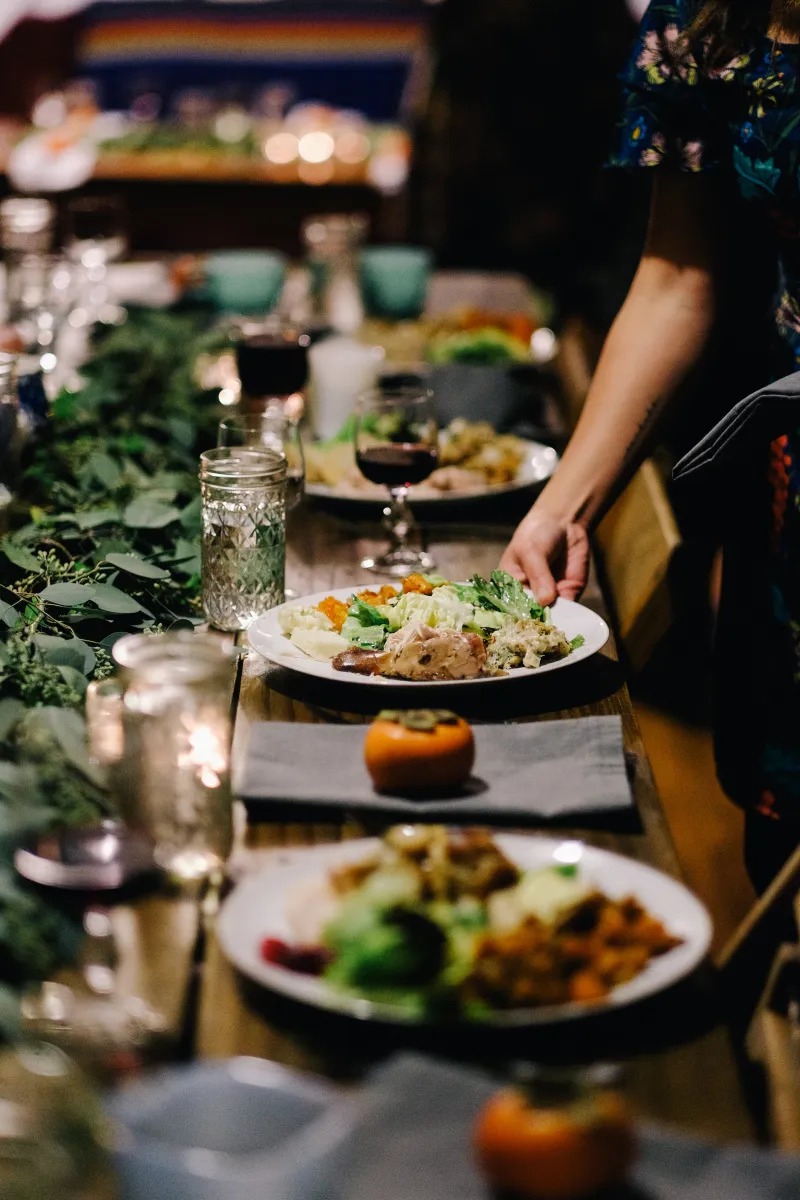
(411,1141)
(540,771)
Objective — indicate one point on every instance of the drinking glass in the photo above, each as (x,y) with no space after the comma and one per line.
(272,360)
(244,534)
(95,237)
(173,780)
(270,430)
(40,298)
(397,444)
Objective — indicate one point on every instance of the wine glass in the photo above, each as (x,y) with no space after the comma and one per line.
(397,444)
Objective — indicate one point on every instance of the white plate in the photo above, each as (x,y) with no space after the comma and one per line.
(266,638)
(538,465)
(257,909)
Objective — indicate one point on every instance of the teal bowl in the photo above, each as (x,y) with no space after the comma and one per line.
(245,281)
(395,279)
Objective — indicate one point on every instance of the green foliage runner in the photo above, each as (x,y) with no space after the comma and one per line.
(104,542)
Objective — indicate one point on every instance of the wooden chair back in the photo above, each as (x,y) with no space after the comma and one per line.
(639,535)
(636,541)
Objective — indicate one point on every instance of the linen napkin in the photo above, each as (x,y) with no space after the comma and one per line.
(756,420)
(412,1129)
(542,771)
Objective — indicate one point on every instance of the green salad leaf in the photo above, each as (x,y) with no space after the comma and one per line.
(506,594)
(365,626)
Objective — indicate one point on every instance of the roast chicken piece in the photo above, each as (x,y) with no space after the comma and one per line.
(420,653)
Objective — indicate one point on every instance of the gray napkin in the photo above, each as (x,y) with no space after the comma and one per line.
(411,1141)
(542,770)
(756,420)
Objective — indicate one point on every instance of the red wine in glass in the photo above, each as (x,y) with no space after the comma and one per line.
(397,465)
(273,363)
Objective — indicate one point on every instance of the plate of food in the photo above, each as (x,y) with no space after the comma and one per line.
(429,631)
(474,462)
(431,923)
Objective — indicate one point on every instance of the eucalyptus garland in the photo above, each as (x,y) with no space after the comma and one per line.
(103,541)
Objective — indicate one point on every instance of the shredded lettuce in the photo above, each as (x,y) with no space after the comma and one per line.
(443,610)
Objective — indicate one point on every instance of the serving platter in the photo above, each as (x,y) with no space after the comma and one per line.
(267,639)
(258,908)
(537,466)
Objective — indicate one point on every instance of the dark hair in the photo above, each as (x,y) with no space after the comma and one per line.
(727,25)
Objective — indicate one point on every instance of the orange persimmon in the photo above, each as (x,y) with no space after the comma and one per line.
(554,1152)
(335,610)
(419,751)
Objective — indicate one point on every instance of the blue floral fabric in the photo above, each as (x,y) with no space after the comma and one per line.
(742,118)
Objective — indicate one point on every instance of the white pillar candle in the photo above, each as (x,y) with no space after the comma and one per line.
(341,369)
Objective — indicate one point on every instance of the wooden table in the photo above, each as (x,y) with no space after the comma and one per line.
(681,1068)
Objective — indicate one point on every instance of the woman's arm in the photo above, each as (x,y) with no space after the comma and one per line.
(657,337)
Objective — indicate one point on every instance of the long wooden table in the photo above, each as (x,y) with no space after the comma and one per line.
(681,1069)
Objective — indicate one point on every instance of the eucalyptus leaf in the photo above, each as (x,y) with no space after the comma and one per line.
(191,517)
(137,566)
(182,431)
(8,614)
(67,594)
(110,641)
(21,557)
(147,513)
(104,469)
(189,566)
(74,677)
(184,549)
(92,518)
(68,652)
(106,546)
(68,730)
(113,600)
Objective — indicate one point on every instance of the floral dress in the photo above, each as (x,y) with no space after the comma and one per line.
(742,119)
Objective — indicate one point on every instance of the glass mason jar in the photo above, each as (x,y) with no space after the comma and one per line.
(173,779)
(244,534)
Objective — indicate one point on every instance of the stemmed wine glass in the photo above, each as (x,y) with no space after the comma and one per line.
(397,444)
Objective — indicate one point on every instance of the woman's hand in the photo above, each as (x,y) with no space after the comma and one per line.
(550,555)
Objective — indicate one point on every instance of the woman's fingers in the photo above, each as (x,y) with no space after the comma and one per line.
(538,574)
(576,569)
(510,562)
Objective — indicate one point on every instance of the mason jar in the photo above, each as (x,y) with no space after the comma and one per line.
(173,779)
(244,534)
